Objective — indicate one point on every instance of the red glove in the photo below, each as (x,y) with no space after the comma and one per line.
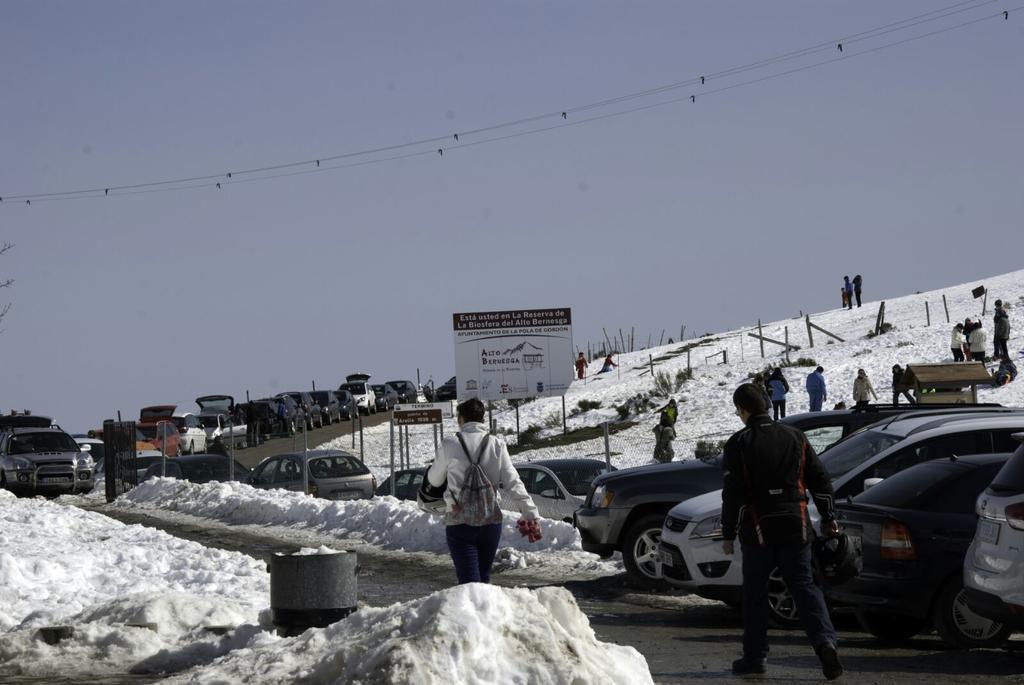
(530,529)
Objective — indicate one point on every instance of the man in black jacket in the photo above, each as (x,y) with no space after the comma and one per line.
(769,467)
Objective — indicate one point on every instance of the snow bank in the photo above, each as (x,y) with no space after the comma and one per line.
(383,521)
(467,634)
(136,597)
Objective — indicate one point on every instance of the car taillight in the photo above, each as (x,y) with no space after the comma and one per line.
(373,483)
(1015,515)
(896,542)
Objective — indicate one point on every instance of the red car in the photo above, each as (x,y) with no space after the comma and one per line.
(155,423)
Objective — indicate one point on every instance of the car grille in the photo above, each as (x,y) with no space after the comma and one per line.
(676,525)
(678,570)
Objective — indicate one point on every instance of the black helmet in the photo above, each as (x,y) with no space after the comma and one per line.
(838,559)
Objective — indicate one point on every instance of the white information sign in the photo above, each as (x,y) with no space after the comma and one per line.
(513,354)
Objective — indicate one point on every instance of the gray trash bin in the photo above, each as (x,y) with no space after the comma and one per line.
(311,591)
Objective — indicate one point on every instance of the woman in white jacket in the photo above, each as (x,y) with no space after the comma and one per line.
(862,388)
(473,546)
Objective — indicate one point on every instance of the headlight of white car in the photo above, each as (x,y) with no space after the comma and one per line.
(708,528)
(602,498)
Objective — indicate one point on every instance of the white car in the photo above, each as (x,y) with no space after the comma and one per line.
(994,565)
(690,553)
(359,385)
(559,486)
(219,426)
(193,437)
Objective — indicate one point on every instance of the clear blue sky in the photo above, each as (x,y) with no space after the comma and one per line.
(903,165)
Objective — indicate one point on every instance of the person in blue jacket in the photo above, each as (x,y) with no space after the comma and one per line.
(817,391)
(778,386)
(848,291)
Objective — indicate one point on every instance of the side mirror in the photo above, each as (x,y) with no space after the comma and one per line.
(871,482)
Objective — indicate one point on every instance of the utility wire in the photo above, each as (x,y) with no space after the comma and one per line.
(260,173)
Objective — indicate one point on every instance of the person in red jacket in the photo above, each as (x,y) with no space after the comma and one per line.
(581,366)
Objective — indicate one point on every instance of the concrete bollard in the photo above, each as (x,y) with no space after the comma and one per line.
(311,590)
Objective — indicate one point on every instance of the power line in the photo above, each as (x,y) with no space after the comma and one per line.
(321,164)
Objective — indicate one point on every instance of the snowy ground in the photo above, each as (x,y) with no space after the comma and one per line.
(141,601)
(706,408)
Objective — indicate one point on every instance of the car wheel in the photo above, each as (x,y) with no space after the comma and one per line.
(958,625)
(638,551)
(890,628)
(781,605)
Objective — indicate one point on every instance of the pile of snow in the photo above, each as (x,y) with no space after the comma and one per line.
(706,411)
(467,634)
(136,597)
(386,522)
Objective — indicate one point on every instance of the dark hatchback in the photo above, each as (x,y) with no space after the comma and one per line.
(199,468)
(330,407)
(914,528)
(407,483)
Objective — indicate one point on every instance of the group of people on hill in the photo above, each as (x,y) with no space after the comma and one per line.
(969,339)
(774,387)
(851,290)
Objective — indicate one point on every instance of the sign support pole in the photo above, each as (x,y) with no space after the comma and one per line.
(391,424)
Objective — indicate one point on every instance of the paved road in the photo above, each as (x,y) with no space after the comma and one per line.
(685,640)
(251,456)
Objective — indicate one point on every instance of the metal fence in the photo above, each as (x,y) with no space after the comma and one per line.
(119,462)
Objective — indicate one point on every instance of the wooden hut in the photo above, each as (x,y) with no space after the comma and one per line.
(953,383)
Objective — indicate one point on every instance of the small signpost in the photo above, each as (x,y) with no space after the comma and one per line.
(420,414)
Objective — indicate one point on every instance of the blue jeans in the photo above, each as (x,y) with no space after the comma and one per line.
(794,561)
(816,400)
(473,549)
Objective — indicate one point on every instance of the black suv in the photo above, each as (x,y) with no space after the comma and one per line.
(629,506)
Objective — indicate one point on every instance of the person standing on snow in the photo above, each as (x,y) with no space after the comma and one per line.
(977,339)
(768,469)
(848,291)
(956,342)
(1001,332)
(817,391)
(857,281)
(778,386)
(862,389)
(897,376)
(581,366)
(665,433)
(474,465)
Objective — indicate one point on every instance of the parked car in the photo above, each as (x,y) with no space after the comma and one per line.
(191,433)
(690,553)
(407,391)
(559,486)
(199,468)
(162,435)
(358,384)
(267,421)
(994,564)
(625,510)
(914,529)
(330,407)
(95,449)
(385,396)
(222,427)
(38,458)
(294,416)
(443,393)
(407,483)
(310,409)
(347,403)
(333,474)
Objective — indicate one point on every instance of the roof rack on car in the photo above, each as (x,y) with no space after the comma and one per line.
(952,409)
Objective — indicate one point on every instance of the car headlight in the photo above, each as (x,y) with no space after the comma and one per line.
(708,528)
(602,498)
(22,464)
(84,462)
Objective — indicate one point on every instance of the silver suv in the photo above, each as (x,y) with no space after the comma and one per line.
(38,458)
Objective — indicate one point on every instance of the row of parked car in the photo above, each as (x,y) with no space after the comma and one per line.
(934,498)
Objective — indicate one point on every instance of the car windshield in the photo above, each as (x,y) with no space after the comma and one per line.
(577,477)
(378,388)
(147,432)
(856,450)
(338,466)
(28,443)
(355,388)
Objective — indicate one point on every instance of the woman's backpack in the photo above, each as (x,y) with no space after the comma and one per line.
(477,501)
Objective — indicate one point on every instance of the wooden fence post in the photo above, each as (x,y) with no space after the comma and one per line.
(945,306)
(650,358)
(689,369)
(786,339)
(760,336)
(927,314)
(810,336)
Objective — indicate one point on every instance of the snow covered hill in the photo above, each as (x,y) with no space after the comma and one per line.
(705,401)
